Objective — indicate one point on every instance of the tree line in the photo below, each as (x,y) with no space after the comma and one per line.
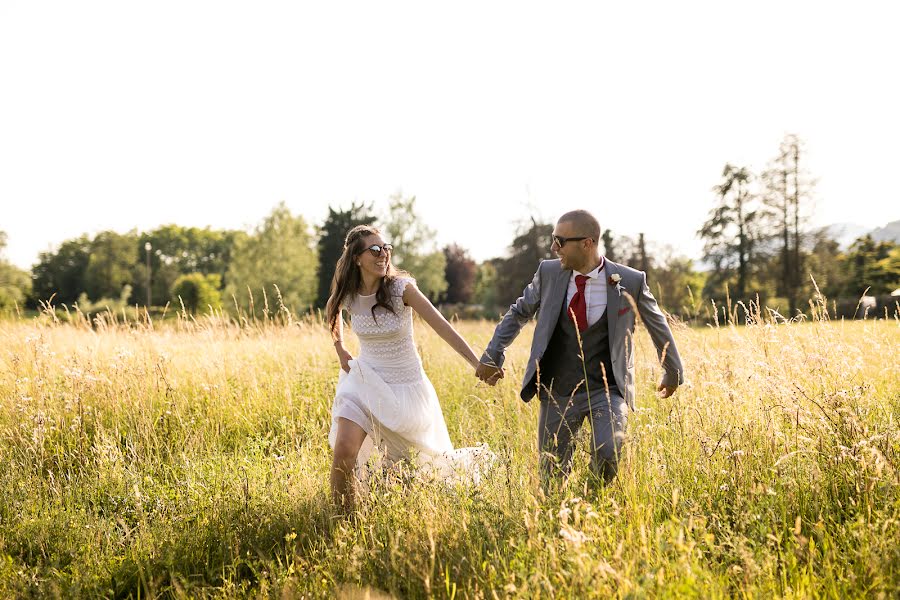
(283,261)
(757,245)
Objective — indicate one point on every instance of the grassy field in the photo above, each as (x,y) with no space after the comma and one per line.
(191,460)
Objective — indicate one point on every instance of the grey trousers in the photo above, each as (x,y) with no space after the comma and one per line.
(559,421)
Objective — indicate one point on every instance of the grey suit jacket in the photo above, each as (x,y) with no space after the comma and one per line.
(545,296)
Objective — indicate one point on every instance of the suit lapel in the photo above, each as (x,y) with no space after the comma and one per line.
(613,300)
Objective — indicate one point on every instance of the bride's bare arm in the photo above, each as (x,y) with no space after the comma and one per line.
(423,306)
(337,335)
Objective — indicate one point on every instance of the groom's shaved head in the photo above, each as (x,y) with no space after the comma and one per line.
(584,222)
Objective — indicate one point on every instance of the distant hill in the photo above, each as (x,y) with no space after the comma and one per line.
(847,233)
(888,233)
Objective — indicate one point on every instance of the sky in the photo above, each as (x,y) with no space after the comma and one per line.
(128,115)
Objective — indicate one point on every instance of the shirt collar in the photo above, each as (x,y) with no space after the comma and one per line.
(592,274)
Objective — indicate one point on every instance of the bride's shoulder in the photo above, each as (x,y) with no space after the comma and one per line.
(398,285)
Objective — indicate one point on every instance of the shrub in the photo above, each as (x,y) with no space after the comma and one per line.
(197,291)
(15,285)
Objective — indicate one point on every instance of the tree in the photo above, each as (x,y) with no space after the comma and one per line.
(111,263)
(197,292)
(414,246)
(677,286)
(428,269)
(786,188)
(528,249)
(279,252)
(15,284)
(60,274)
(825,264)
(609,246)
(873,265)
(888,271)
(633,252)
(460,274)
(644,260)
(731,232)
(331,243)
(485,292)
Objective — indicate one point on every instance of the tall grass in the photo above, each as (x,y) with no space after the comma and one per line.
(190,459)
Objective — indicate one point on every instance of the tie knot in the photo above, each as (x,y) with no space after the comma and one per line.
(580,280)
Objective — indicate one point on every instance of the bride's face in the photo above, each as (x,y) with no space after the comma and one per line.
(372,262)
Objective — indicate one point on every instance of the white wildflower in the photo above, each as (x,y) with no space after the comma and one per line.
(573,536)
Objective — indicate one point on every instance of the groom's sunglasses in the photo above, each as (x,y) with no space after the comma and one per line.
(375,249)
(561,241)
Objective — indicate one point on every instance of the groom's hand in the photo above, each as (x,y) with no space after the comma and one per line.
(666,390)
(488,373)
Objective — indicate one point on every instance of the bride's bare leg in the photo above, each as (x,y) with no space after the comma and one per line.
(350,438)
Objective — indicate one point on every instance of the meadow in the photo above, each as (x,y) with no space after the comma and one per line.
(190,459)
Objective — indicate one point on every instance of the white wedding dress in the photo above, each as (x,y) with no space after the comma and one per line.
(388,394)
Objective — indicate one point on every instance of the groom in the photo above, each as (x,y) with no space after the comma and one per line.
(582,355)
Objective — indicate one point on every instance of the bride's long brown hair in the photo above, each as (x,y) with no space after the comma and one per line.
(348,278)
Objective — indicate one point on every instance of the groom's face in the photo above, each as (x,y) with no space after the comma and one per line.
(572,255)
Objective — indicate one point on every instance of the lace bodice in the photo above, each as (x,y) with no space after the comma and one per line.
(386,341)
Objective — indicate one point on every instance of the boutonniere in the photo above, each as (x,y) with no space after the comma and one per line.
(616,280)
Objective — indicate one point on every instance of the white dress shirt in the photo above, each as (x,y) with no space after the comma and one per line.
(594,289)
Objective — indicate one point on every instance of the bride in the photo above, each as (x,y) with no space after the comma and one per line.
(383,398)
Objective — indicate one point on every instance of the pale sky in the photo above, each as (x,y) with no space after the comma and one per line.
(120,115)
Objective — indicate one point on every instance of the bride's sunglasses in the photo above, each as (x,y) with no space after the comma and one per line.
(375,249)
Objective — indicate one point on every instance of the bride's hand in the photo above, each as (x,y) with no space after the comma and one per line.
(344,356)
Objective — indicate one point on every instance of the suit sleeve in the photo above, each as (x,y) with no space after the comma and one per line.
(658,327)
(515,318)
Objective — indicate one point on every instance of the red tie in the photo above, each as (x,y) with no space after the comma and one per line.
(578,306)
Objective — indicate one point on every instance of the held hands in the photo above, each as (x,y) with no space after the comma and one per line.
(489,374)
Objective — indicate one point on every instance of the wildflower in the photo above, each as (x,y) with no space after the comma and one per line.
(573,536)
